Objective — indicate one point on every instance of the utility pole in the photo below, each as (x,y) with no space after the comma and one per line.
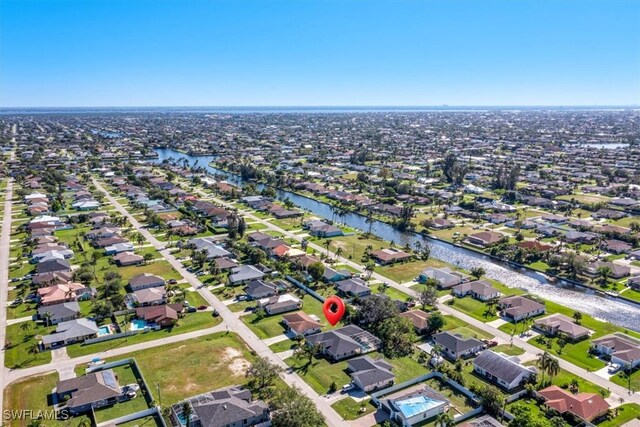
(159,395)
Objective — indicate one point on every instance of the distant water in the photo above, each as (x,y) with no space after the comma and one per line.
(613,146)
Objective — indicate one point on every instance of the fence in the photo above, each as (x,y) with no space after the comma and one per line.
(154,412)
(306,289)
(114,336)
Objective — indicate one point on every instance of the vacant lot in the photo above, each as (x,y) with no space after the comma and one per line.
(195,366)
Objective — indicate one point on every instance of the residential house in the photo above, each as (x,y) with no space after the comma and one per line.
(230,406)
(56,313)
(504,370)
(280,304)
(415,407)
(557,323)
(353,287)
(478,289)
(370,374)
(244,274)
(621,348)
(419,319)
(118,248)
(484,238)
(518,308)
(90,391)
(124,259)
(145,280)
(161,315)
(345,342)
(445,277)
(582,406)
(150,296)
(257,289)
(58,294)
(301,323)
(455,346)
(390,256)
(69,332)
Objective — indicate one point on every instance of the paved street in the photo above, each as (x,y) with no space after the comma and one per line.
(230,319)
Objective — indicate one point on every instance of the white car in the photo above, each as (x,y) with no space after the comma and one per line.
(613,368)
(347,387)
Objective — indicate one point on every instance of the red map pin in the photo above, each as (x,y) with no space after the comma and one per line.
(333,309)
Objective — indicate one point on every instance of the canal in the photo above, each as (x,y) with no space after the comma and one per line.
(608,309)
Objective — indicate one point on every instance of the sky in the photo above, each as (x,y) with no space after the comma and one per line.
(64,53)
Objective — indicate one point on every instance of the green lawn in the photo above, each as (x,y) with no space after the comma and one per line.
(459,400)
(564,378)
(508,349)
(349,409)
(392,293)
(18,355)
(267,327)
(194,366)
(406,272)
(321,373)
(459,326)
(283,346)
(191,322)
(143,422)
(474,308)
(626,413)
(33,393)
(624,382)
(21,310)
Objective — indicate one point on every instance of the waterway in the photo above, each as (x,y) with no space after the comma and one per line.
(608,309)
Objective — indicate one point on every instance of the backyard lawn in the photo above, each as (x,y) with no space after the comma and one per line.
(125,376)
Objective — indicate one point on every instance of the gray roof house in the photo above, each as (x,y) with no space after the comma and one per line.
(69,332)
(257,289)
(93,390)
(345,342)
(56,313)
(478,289)
(354,287)
(445,277)
(210,246)
(370,374)
(145,280)
(244,273)
(280,303)
(504,370)
(230,406)
(455,346)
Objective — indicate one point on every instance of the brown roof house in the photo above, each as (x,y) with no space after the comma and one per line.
(145,280)
(582,406)
(419,319)
(518,308)
(390,256)
(484,238)
(124,259)
(622,349)
(301,323)
(162,315)
(559,323)
(478,289)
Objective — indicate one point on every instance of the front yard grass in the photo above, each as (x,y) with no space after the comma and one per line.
(19,354)
(349,409)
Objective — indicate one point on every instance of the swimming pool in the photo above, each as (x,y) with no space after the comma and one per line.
(104,330)
(138,325)
(417,405)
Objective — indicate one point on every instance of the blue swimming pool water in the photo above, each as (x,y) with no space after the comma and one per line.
(138,324)
(103,330)
(417,405)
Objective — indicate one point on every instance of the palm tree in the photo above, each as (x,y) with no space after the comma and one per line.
(369,269)
(445,420)
(339,252)
(553,368)
(327,244)
(26,327)
(542,363)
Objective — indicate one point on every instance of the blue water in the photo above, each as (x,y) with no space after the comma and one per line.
(612,310)
(416,405)
(103,330)
(138,324)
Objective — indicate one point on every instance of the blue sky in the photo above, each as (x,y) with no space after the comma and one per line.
(319,52)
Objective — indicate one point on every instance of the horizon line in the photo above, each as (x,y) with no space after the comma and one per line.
(333,106)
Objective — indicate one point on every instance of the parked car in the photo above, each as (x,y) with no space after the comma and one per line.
(347,387)
(172,282)
(613,368)
(215,313)
(191,309)
(202,307)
